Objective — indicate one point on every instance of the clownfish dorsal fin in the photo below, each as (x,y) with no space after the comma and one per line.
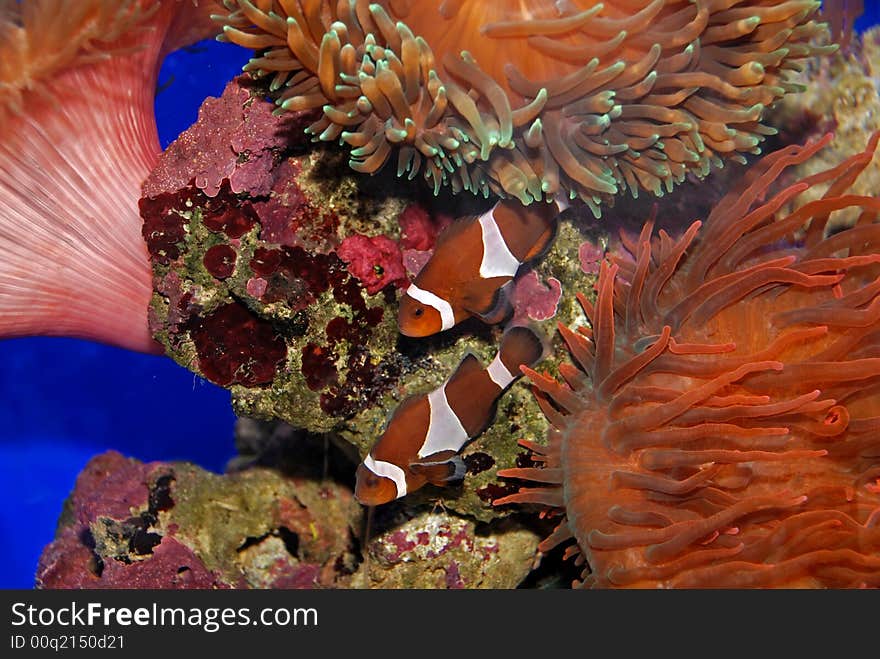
(453,230)
(440,468)
(528,230)
(401,409)
(469,363)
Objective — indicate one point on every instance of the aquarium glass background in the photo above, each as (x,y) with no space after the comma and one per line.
(62,401)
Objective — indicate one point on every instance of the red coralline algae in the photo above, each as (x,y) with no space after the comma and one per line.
(163,229)
(374,260)
(534,299)
(172,565)
(236,347)
(290,216)
(318,367)
(478,462)
(437,540)
(256,287)
(219,260)
(265,261)
(299,577)
(419,228)
(293,276)
(721,427)
(225,215)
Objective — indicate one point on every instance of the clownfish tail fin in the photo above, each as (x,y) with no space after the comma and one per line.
(545,240)
(520,346)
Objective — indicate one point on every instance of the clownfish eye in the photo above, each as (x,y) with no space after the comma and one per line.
(418,312)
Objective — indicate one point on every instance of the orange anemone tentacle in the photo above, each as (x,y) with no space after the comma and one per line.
(747,457)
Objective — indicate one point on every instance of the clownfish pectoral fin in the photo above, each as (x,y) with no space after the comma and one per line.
(490,301)
(502,306)
(440,471)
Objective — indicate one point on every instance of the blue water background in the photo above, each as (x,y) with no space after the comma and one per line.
(63,401)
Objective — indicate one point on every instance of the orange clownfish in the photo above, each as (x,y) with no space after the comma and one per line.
(475,257)
(422,441)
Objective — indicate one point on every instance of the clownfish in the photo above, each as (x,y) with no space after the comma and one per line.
(422,441)
(474,259)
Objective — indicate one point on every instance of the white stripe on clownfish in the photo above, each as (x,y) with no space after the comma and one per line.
(445,432)
(499,374)
(447,316)
(497,259)
(387,470)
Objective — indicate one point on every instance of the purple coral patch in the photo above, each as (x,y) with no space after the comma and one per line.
(172,565)
(534,299)
(113,484)
(236,347)
(109,491)
(454,580)
(590,256)
(234,138)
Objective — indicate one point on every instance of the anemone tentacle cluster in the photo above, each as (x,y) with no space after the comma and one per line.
(533,99)
(722,426)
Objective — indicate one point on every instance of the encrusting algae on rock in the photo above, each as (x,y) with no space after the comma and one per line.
(270,261)
(130,524)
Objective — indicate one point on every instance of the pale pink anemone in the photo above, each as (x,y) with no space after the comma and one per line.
(77,138)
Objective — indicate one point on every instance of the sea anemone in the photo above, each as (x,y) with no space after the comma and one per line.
(722,426)
(532,99)
(77,138)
